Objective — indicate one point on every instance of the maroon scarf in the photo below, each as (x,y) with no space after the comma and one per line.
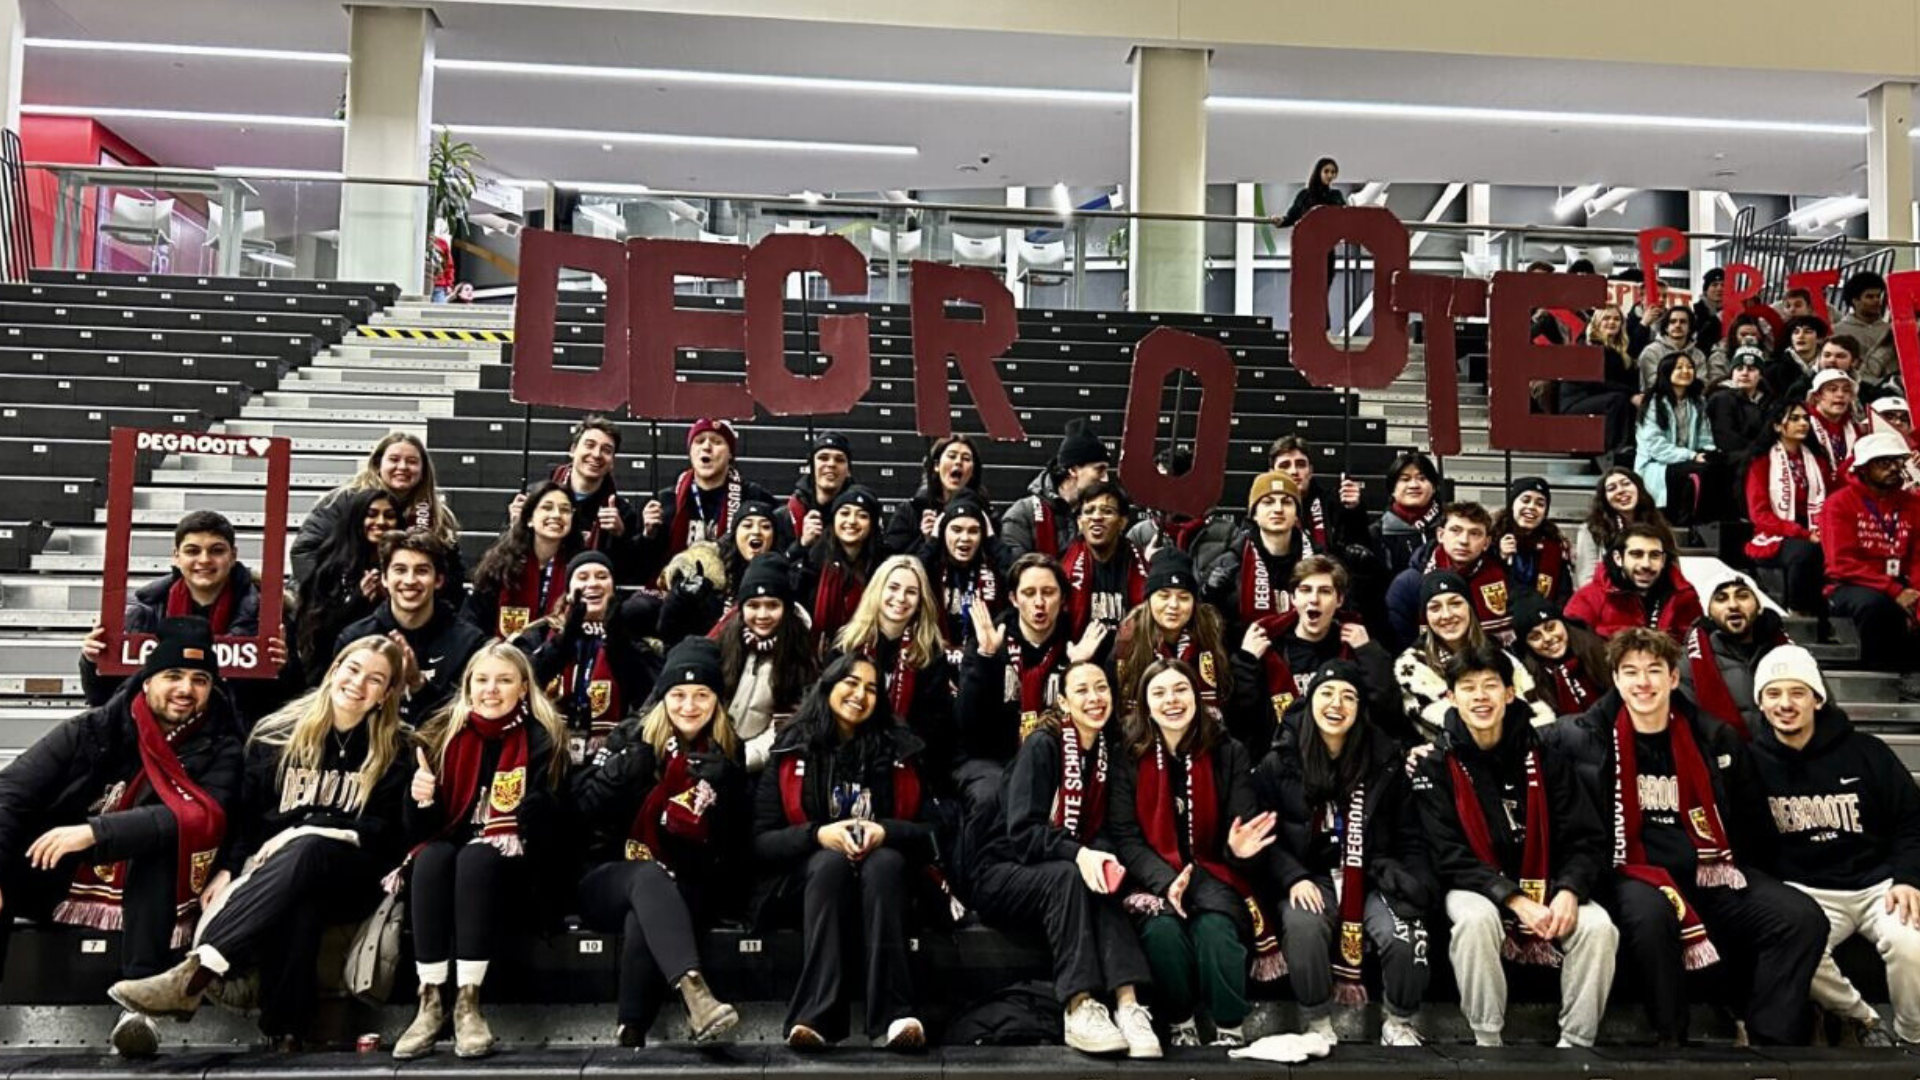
(1549,558)
(678,804)
(1348,989)
(180,602)
(793,788)
(1080,802)
(1573,689)
(1032,680)
(685,502)
(1046,527)
(460,780)
(1081,565)
(902,676)
(1282,686)
(1521,944)
(1713,855)
(1486,589)
(1187,650)
(533,596)
(1710,688)
(1153,803)
(95,898)
(1259,594)
(1422,521)
(836,596)
(605,704)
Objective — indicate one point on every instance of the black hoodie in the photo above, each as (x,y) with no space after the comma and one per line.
(1311,836)
(1846,809)
(987,707)
(441,648)
(1576,846)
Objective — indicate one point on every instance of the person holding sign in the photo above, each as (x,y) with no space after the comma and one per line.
(668,806)
(702,503)
(483,797)
(523,576)
(840,822)
(1046,859)
(114,819)
(1870,530)
(316,825)
(1193,842)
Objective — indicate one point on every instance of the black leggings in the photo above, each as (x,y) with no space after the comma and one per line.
(833,890)
(273,919)
(1095,947)
(641,902)
(1696,492)
(1805,566)
(460,899)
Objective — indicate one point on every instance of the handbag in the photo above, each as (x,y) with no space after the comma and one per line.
(373,956)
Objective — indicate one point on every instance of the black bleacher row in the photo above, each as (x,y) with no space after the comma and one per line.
(355,308)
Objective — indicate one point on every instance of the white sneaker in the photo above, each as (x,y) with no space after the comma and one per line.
(1399,1031)
(1323,1027)
(1229,1037)
(1184,1033)
(1136,1024)
(906,1033)
(135,1036)
(1090,1029)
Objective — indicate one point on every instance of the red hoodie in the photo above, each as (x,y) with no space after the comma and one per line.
(1609,605)
(1871,539)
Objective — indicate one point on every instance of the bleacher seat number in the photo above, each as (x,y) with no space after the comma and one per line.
(750,945)
(93,946)
(592,946)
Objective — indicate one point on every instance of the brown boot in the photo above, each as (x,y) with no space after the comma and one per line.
(175,992)
(417,1041)
(708,1018)
(472,1038)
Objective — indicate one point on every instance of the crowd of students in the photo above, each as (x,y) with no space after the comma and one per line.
(1199,754)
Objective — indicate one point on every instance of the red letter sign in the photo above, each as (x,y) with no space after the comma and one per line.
(1439,301)
(1513,361)
(1323,362)
(973,345)
(660,330)
(1195,492)
(1903,299)
(535,379)
(844,337)
(1658,247)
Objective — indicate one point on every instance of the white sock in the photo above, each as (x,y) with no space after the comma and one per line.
(434,974)
(211,959)
(471,972)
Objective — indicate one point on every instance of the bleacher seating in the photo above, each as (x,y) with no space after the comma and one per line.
(300,372)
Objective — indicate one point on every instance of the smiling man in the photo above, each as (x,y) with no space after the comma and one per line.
(1724,649)
(112,820)
(1464,546)
(1848,815)
(434,639)
(703,501)
(1106,574)
(1642,586)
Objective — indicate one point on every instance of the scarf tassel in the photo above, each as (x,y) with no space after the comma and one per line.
(1347,987)
(1699,954)
(1141,903)
(91,914)
(1269,967)
(1529,949)
(507,844)
(1719,873)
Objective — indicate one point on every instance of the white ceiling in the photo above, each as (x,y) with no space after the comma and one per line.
(1023,142)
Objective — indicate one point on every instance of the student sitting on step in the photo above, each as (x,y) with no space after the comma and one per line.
(523,576)
(603,520)
(1724,648)
(1870,529)
(1786,487)
(592,655)
(1043,519)
(1640,586)
(432,637)
(345,584)
(400,465)
(702,503)
(952,467)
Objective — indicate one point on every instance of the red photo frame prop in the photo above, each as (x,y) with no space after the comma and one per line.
(248,655)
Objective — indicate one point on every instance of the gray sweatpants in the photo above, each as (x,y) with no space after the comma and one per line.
(1586,973)
(1864,912)
(1307,940)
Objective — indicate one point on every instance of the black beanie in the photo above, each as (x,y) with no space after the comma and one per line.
(1440,582)
(1080,446)
(831,440)
(1345,671)
(1530,612)
(1171,569)
(695,661)
(963,505)
(1524,484)
(588,558)
(754,510)
(769,577)
(186,642)
(862,497)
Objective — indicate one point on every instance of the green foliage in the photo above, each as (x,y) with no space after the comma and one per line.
(451,180)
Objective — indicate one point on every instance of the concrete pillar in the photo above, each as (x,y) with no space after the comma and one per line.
(1703,216)
(1243,250)
(1890,166)
(1016,199)
(383,228)
(1166,260)
(13,36)
(1479,212)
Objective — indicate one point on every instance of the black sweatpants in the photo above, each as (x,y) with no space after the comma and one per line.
(1775,933)
(980,783)
(640,901)
(1888,636)
(1805,566)
(1613,403)
(832,891)
(1095,947)
(146,905)
(1308,940)
(461,898)
(274,918)
(1696,492)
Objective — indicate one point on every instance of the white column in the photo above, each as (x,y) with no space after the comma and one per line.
(383,228)
(1166,260)
(1243,250)
(1479,212)
(1703,215)
(13,36)
(1017,199)
(1890,166)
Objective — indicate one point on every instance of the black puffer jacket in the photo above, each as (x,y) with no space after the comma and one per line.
(60,779)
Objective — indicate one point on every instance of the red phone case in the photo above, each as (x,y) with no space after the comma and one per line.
(1115,874)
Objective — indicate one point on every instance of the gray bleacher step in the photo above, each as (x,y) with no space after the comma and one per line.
(61,619)
(372,412)
(360,356)
(427,380)
(1864,686)
(291,402)
(49,591)
(38,655)
(141,542)
(449,353)
(254,470)
(311,388)
(250,516)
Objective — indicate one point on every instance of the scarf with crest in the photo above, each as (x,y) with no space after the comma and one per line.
(1521,944)
(686,507)
(676,806)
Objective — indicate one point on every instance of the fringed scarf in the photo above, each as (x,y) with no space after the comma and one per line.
(906,806)
(1259,594)
(1836,439)
(1080,802)
(1713,856)
(180,602)
(676,806)
(532,596)
(1573,688)
(1796,485)
(497,813)
(902,677)
(1348,988)
(686,506)
(837,595)
(1187,650)
(1282,686)
(1027,683)
(1521,945)
(1154,803)
(1316,512)
(95,899)
(1083,576)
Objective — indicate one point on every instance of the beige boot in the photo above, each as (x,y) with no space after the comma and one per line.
(175,992)
(417,1041)
(708,1018)
(472,1038)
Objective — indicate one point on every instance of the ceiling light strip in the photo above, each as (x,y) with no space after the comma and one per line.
(228,52)
(880,87)
(114,113)
(691,142)
(1393,111)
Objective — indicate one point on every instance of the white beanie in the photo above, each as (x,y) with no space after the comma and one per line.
(1788,662)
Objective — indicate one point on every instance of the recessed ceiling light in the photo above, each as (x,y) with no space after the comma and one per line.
(229,52)
(692,142)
